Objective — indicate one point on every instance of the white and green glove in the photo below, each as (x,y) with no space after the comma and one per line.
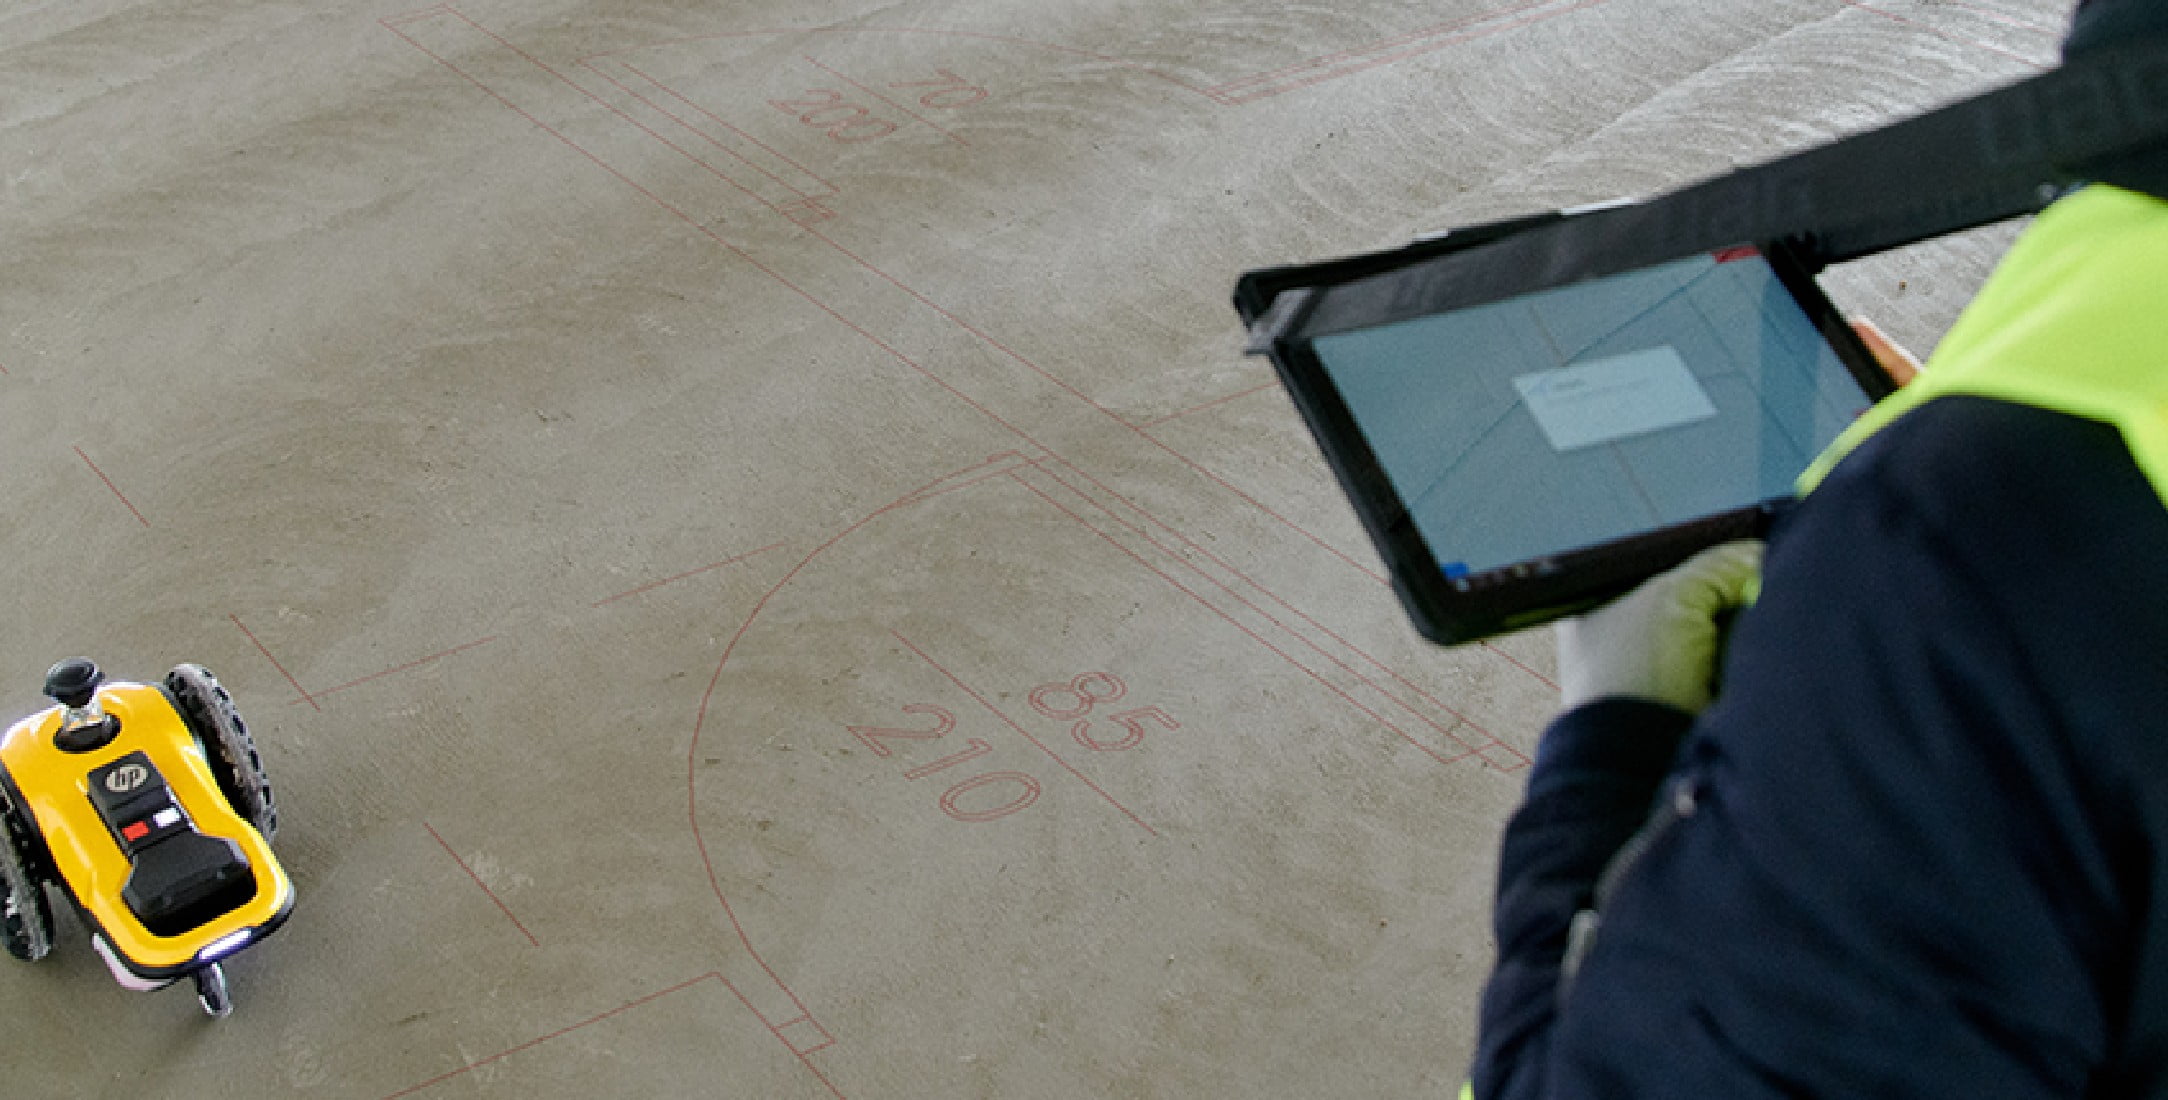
(1662,641)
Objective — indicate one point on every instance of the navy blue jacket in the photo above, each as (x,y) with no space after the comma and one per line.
(1925,852)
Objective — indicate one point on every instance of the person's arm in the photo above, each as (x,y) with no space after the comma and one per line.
(1595,775)
(1633,673)
(1921,811)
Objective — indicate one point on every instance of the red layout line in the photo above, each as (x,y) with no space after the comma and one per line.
(1026,734)
(557,1034)
(953,482)
(539,124)
(763,146)
(478,642)
(827,1040)
(1417,51)
(692,750)
(1269,594)
(900,107)
(804,200)
(1240,90)
(1080,395)
(778,1029)
(652,585)
(1359,567)
(1361,58)
(980,36)
(109,484)
(845,321)
(1943,34)
(697,226)
(274,661)
(999,346)
(1213,404)
(1469,750)
(1461,719)
(804,1056)
(485,886)
(416,15)
(1517,663)
(929,303)
(830,310)
(949,484)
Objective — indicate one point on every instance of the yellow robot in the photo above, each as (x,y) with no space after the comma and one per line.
(147,806)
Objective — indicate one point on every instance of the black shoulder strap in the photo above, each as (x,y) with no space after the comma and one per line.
(1995,156)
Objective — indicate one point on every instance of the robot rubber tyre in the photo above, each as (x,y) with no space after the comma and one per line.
(147,807)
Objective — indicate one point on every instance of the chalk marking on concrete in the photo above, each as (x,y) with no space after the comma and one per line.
(485,886)
(416,15)
(1256,632)
(791,207)
(652,585)
(410,665)
(538,123)
(826,188)
(1222,564)
(854,326)
(1517,663)
(841,318)
(109,484)
(1216,403)
(260,648)
(913,115)
(1024,733)
(1333,66)
(928,491)
(1212,404)
(1002,39)
(557,1034)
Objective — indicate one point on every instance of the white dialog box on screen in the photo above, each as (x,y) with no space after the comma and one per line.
(1603,400)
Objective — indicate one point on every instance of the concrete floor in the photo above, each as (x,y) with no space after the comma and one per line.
(601,445)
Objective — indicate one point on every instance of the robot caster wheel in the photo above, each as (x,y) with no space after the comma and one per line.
(211,992)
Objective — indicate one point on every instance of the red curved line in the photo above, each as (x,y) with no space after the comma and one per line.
(1002,38)
(692,752)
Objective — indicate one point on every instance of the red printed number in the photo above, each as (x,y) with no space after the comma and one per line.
(1131,720)
(1026,793)
(991,796)
(827,110)
(949,90)
(871,735)
(1020,790)
(1075,699)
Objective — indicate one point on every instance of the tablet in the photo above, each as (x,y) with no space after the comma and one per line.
(1523,458)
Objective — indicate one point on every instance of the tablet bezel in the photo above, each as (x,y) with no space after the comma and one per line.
(1452,611)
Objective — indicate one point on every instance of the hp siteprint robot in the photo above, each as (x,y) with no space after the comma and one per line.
(146,805)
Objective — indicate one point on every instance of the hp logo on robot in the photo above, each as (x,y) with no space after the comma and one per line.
(126,778)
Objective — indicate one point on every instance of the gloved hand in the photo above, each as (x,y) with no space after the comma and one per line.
(1660,641)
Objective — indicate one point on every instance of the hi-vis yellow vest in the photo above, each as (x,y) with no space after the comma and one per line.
(2075,320)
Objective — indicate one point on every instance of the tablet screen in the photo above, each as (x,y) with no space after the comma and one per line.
(1570,417)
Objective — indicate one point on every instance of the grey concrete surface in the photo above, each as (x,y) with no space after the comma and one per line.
(601,444)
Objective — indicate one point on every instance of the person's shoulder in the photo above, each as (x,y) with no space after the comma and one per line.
(2039,520)
(2007,483)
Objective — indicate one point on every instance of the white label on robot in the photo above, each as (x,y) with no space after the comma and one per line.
(126,778)
(1604,400)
